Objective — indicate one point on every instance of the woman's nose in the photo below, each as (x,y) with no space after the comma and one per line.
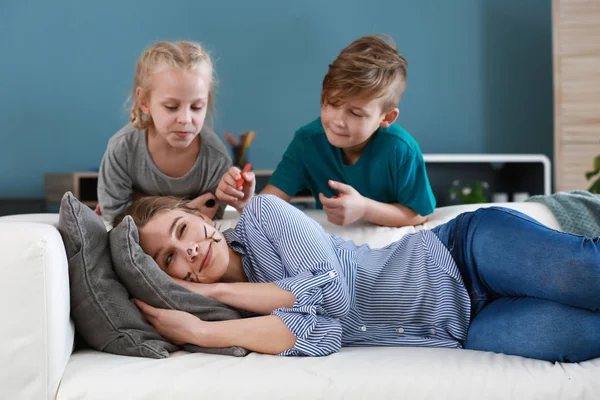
(192,250)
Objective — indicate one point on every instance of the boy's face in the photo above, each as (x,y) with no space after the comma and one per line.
(177,103)
(350,125)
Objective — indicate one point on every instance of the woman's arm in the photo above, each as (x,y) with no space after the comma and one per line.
(260,298)
(266,334)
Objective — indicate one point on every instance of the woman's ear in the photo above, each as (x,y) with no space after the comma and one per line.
(390,117)
(142,100)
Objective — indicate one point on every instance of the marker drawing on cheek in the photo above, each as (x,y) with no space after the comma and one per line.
(216,240)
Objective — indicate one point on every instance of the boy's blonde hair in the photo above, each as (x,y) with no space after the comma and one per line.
(183,55)
(369,68)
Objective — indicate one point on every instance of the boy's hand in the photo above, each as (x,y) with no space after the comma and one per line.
(206,203)
(345,208)
(229,193)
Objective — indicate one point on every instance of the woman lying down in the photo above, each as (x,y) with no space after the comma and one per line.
(493,280)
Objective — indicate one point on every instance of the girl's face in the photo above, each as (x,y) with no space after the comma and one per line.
(177,102)
(186,246)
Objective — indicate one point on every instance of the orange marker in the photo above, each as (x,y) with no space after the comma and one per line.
(240,182)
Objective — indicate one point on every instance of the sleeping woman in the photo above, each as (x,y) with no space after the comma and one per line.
(492,280)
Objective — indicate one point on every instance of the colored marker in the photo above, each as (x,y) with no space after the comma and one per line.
(240,182)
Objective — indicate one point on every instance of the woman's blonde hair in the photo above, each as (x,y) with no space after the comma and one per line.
(184,55)
(144,209)
(370,67)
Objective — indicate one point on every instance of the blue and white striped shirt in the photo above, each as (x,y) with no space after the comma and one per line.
(409,293)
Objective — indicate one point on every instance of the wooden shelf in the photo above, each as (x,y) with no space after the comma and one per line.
(83,185)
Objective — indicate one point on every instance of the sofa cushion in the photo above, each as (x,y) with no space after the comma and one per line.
(103,314)
(144,280)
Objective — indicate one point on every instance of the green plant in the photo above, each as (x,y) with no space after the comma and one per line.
(595,186)
(470,192)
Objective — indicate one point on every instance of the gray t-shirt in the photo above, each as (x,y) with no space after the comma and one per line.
(127,168)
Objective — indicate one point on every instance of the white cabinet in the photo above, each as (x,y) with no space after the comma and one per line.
(513,175)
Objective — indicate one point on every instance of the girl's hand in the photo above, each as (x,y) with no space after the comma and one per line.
(345,208)
(138,195)
(229,193)
(206,203)
(178,327)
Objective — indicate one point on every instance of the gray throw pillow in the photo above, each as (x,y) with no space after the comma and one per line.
(144,279)
(103,314)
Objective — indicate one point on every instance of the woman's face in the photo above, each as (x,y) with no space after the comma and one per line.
(186,246)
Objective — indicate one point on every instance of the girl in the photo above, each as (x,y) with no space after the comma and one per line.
(493,279)
(166,149)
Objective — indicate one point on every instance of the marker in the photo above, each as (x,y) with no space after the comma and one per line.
(240,182)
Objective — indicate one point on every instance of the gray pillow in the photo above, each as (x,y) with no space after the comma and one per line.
(144,279)
(103,314)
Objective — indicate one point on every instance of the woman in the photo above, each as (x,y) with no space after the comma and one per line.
(493,280)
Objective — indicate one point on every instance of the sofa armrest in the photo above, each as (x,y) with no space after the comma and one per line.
(36,335)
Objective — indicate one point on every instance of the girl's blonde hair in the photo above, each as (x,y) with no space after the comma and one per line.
(184,55)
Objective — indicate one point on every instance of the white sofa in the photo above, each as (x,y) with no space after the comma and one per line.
(37,361)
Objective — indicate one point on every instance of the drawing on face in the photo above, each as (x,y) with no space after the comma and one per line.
(188,276)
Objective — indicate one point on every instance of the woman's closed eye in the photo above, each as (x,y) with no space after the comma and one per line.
(169,257)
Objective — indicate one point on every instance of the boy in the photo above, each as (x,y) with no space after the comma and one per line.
(357,163)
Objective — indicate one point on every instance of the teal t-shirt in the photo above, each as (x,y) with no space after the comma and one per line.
(390,169)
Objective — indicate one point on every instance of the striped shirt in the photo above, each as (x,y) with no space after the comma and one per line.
(409,293)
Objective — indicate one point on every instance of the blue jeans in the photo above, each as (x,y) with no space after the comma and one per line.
(535,292)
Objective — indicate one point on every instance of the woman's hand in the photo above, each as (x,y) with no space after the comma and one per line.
(178,327)
(268,334)
(204,289)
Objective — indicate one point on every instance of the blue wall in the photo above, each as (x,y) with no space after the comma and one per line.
(480,74)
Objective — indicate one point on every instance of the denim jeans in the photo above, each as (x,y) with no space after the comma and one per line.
(535,292)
